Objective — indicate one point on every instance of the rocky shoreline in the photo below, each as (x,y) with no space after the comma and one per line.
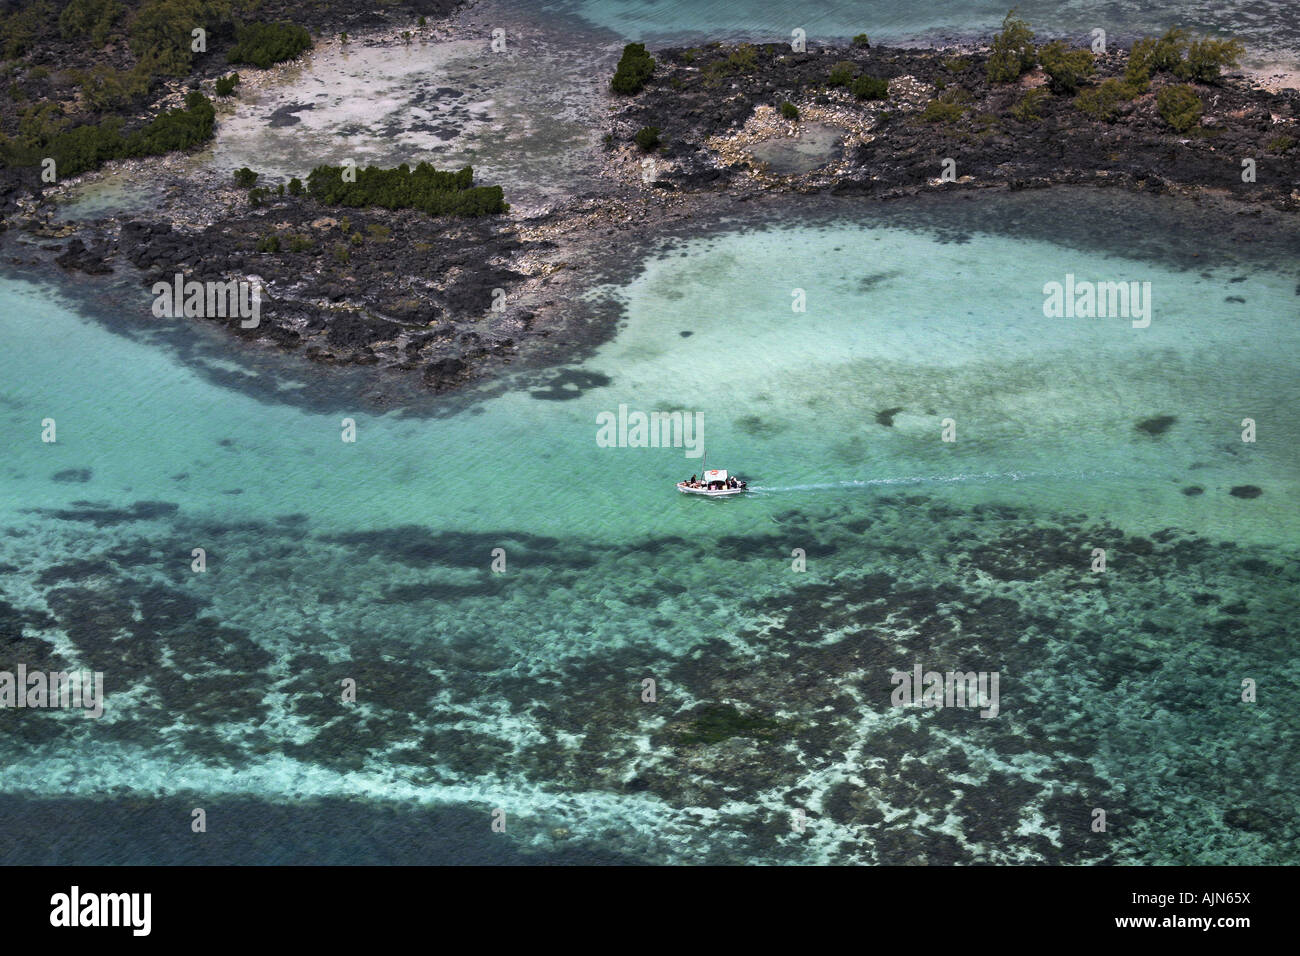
(709,128)
(454,301)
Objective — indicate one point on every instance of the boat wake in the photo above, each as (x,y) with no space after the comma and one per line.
(981,477)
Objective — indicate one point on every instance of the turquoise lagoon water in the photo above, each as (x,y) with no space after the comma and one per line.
(1264,26)
(522,690)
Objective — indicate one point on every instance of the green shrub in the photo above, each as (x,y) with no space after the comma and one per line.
(956,64)
(226,84)
(1102,102)
(1281,144)
(245,177)
(340,252)
(424,188)
(295,186)
(947,108)
(263,44)
(175,129)
(870,88)
(842,73)
(92,18)
(635,68)
(300,243)
(1180,107)
(84,147)
(1199,59)
(20,29)
(647,137)
(1065,68)
(1013,53)
(160,35)
(268,244)
(789,110)
(1206,56)
(1026,111)
(42,132)
(1141,65)
(378,231)
(861,40)
(105,89)
(1168,50)
(356,238)
(743,59)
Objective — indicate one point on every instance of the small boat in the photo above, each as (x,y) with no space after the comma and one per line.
(714,484)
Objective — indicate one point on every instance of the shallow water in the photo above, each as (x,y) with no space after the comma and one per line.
(522,690)
(1264,26)
(816,145)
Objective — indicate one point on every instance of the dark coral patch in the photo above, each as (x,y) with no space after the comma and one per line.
(1156,426)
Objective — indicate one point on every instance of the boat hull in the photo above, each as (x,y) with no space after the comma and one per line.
(705,492)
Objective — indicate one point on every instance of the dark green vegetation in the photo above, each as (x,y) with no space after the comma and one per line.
(947,107)
(114,57)
(743,59)
(647,137)
(1187,58)
(1102,102)
(869,88)
(424,188)
(789,110)
(1014,53)
(43,133)
(842,73)
(89,19)
(1196,59)
(263,44)
(1026,111)
(1177,53)
(1066,69)
(1180,107)
(635,67)
(245,178)
(864,87)
(226,84)
(713,723)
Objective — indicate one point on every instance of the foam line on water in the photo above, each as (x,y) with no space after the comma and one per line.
(929,479)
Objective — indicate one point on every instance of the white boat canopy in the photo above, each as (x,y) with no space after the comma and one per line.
(716,474)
